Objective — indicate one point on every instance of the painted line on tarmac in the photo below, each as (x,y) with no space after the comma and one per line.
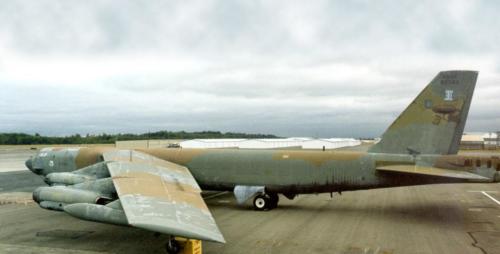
(490,197)
(215,195)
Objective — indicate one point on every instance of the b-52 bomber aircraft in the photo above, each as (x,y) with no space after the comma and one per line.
(159,189)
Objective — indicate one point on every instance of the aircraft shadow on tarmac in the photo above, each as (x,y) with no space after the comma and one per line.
(428,213)
(431,213)
(102,238)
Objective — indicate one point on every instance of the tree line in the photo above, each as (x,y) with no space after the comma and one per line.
(28,139)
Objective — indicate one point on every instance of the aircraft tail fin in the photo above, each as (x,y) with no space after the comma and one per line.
(434,122)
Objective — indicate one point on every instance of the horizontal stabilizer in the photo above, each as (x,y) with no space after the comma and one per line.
(432,171)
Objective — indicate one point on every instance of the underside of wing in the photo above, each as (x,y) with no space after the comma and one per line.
(432,171)
(160,196)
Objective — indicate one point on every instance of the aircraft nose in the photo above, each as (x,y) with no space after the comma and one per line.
(29,164)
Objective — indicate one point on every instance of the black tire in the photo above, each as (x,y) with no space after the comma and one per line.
(274,198)
(261,202)
(172,246)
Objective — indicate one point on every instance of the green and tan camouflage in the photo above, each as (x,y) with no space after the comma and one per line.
(418,148)
(433,123)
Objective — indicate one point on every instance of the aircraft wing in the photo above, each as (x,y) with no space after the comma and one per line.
(432,171)
(160,196)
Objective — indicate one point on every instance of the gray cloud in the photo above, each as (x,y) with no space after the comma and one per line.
(326,69)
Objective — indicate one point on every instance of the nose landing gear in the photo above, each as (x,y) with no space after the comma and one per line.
(265,201)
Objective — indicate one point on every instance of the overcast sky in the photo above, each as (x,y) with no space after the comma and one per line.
(290,68)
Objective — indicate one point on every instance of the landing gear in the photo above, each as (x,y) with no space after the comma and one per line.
(173,246)
(265,201)
(274,200)
(261,202)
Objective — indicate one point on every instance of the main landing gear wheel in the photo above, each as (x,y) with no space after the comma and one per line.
(263,202)
(173,246)
(274,200)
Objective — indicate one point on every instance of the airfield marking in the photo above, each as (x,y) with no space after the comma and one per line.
(489,196)
(489,191)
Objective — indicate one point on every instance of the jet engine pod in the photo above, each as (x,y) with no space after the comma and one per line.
(66,195)
(66,178)
(98,213)
(49,205)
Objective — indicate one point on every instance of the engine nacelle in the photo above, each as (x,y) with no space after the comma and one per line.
(98,170)
(50,205)
(64,195)
(97,213)
(89,173)
(104,187)
(66,178)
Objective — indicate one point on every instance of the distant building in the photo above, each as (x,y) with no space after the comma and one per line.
(491,140)
(275,143)
(210,143)
(480,140)
(279,143)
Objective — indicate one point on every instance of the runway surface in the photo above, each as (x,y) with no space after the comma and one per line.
(449,218)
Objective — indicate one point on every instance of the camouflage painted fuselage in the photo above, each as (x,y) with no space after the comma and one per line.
(281,171)
(300,171)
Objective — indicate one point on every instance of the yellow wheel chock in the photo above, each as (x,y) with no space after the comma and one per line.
(189,246)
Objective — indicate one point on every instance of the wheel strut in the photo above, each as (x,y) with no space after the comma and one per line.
(265,201)
(172,246)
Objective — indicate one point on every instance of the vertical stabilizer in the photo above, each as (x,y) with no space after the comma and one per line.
(434,122)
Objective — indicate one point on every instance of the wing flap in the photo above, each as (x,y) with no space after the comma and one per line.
(432,171)
(161,196)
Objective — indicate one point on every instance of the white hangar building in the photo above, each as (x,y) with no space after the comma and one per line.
(297,143)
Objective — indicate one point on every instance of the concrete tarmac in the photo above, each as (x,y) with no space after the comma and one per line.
(447,218)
